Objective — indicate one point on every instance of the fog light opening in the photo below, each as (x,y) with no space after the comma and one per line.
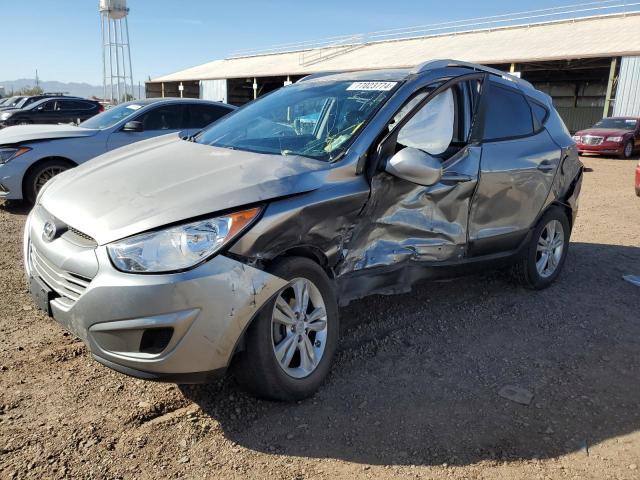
(155,340)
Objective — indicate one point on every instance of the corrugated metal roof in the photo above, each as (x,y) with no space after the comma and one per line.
(603,36)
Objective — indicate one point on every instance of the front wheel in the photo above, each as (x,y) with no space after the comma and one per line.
(627,151)
(290,344)
(41,174)
(542,260)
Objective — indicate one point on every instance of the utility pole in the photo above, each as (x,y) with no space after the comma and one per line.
(37,79)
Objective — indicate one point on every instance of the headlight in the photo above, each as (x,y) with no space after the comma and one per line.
(5,115)
(180,247)
(614,139)
(9,153)
(576,138)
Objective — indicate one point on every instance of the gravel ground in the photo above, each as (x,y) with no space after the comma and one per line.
(414,392)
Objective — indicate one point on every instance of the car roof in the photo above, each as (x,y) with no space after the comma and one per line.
(48,99)
(386,75)
(169,100)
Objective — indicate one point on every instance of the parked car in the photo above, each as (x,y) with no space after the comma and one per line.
(31,155)
(26,101)
(11,103)
(51,110)
(618,136)
(176,258)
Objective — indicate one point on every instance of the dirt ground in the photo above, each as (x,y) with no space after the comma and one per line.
(413,393)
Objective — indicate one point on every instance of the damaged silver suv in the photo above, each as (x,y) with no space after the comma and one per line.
(177,258)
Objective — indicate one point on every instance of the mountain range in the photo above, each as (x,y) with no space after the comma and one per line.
(70,88)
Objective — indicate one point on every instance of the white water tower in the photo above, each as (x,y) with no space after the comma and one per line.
(116,53)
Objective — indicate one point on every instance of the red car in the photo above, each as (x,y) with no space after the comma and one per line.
(618,136)
(638,179)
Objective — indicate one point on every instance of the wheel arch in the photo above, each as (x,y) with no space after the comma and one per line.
(39,162)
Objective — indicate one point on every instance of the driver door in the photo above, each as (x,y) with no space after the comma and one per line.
(160,120)
(404,222)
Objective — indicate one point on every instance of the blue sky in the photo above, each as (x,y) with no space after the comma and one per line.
(63,43)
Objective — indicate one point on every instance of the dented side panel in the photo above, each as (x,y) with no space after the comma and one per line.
(407,222)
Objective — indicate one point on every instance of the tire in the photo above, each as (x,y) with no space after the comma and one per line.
(627,150)
(257,368)
(23,122)
(39,175)
(527,269)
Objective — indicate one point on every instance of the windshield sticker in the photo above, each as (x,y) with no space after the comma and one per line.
(372,86)
(134,107)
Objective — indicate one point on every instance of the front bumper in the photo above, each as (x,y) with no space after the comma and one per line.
(11,175)
(198,315)
(605,148)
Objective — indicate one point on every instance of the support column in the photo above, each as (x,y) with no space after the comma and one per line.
(162,87)
(255,88)
(607,100)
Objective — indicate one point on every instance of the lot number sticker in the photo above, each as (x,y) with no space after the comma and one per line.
(372,86)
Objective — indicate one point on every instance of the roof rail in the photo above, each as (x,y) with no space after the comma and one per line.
(446,63)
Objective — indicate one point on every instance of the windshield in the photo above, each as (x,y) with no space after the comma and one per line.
(22,102)
(315,119)
(619,123)
(110,117)
(12,101)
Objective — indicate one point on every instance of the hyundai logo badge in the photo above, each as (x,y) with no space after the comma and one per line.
(49,231)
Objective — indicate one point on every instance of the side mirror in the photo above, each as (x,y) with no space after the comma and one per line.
(415,166)
(133,126)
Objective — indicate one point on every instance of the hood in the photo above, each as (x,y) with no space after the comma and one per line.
(29,133)
(604,132)
(165,180)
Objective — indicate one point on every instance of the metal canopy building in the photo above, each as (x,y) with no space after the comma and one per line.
(587,64)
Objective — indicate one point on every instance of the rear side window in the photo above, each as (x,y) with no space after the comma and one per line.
(507,114)
(167,117)
(199,116)
(75,105)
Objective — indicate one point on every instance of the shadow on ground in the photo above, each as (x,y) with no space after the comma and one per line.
(417,377)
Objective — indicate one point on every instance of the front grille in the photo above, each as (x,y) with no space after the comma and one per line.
(68,285)
(82,236)
(591,140)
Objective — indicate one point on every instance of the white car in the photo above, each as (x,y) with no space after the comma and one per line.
(30,155)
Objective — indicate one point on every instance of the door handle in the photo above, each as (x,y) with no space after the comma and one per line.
(456,177)
(546,166)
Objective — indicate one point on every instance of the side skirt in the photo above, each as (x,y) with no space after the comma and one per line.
(400,278)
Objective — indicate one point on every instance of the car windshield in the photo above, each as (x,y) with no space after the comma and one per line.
(312,119)
(22,102)
(110,117)
(12,101)
(618,123)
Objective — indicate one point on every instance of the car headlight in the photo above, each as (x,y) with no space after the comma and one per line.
(576,138)
(5,115)
(180,247)
(9,153)
(614,139)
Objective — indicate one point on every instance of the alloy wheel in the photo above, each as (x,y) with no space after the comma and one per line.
(299,328)
(46,175)
(550,248)
(628,149)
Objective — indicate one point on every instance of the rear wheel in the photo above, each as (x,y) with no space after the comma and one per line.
(541,262)
(23,122)
(290,344)
(41,174)
(627,151)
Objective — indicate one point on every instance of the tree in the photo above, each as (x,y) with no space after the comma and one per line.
(29,91)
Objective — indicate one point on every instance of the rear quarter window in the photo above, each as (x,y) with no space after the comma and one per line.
(507,114)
